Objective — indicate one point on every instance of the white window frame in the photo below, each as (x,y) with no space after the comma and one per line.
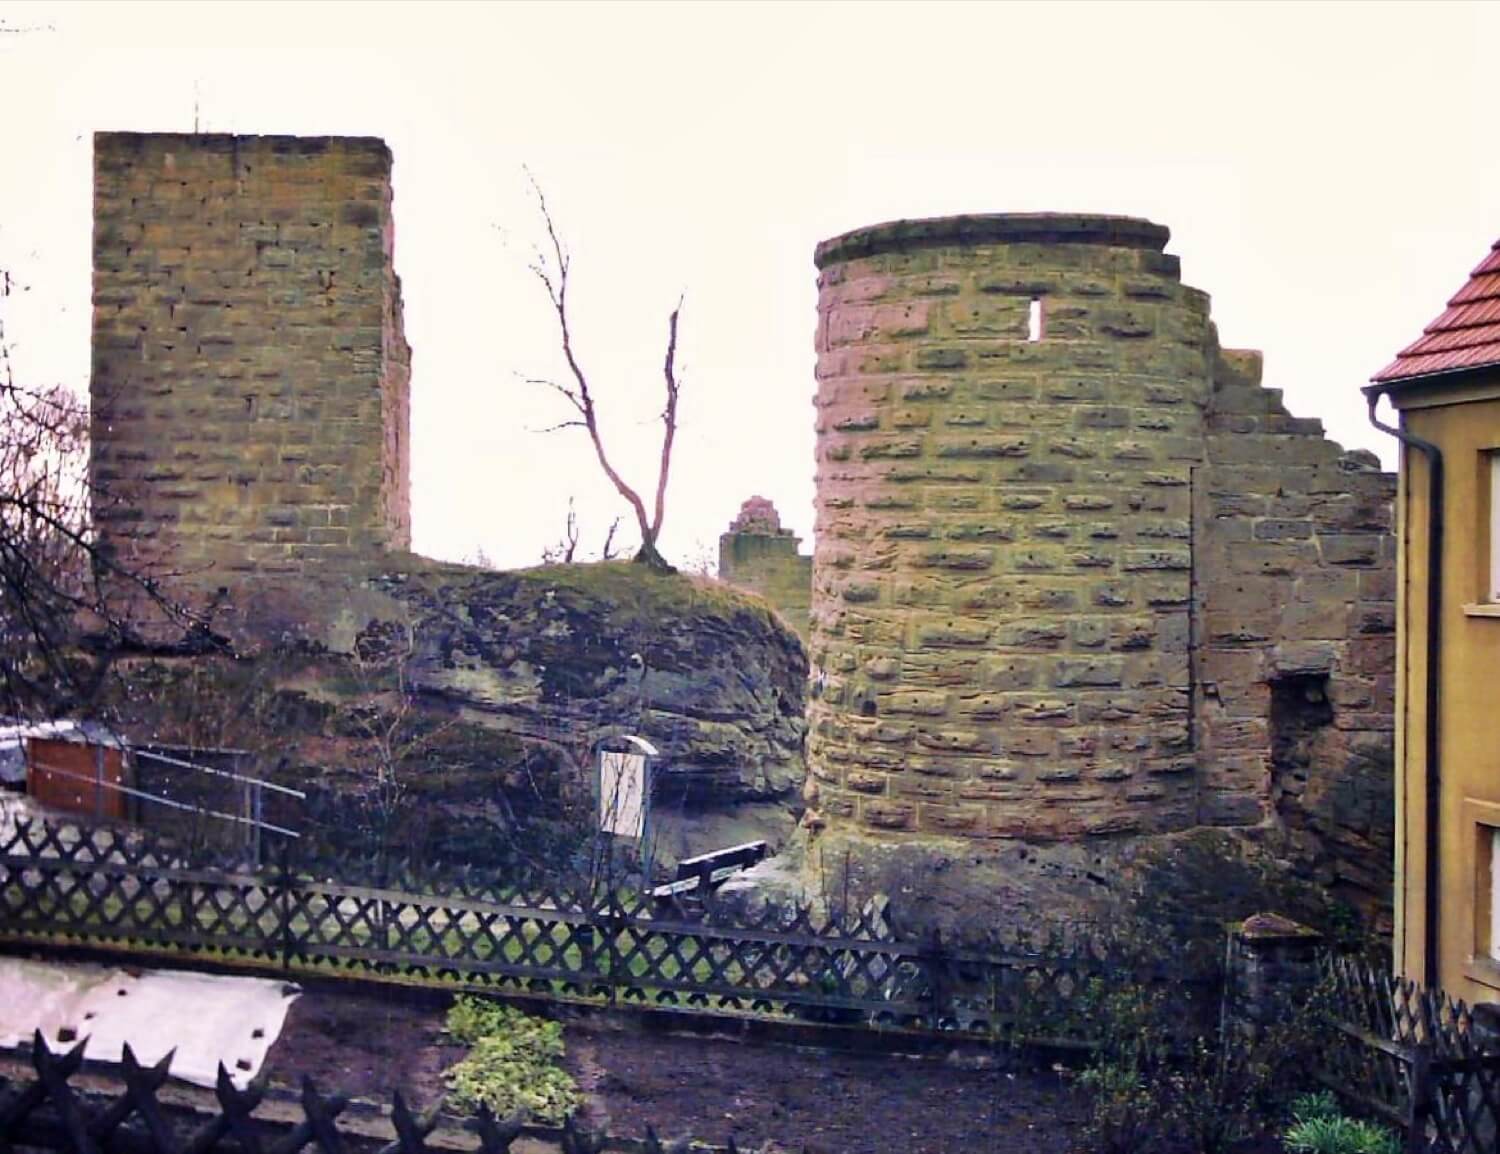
(1494,832)
(1492,582)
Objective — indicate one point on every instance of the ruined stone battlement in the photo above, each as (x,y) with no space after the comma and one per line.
(249,384)
(759,555)
(1049,228)
(1054,520)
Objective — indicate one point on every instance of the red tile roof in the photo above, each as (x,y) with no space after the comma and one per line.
(1466,336)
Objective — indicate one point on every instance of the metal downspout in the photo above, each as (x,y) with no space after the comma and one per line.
(1432,731)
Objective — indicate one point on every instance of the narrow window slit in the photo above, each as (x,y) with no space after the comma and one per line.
(1034,320)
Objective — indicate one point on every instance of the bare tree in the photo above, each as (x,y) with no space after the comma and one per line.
(393,737)
(562,553)
(552,268)
(55,582)
(608,552)
(566,549)
(44,569)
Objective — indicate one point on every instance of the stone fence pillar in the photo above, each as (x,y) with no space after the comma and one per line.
(1272,968)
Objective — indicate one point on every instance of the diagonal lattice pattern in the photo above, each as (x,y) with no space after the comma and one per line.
(1411,1056)
(391,920)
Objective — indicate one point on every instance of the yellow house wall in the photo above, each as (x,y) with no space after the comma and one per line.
(1466,426)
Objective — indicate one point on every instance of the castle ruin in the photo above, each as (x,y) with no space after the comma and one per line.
(1079,579)
(249,394)
(1078,574)
(759,555)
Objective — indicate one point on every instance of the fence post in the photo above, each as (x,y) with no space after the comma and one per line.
(1272,966)
(1485,1033)
(609,925)
(935,962)
(1420,1101)
(284,890)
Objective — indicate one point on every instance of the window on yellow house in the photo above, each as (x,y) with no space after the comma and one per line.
(1486,944)
(1494,903)
(1492,584)
(1483,952)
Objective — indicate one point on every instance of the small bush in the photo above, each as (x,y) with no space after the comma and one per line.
(1319,1127)
(1163,1079)
(1315,1107)
(512,1064)
(1339,1135)
(1122,1108)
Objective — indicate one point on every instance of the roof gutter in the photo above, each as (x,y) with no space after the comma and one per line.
(1432,731)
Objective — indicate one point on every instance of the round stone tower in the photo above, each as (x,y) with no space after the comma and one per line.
(1010,409)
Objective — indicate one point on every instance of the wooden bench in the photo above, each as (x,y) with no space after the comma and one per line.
(702,873)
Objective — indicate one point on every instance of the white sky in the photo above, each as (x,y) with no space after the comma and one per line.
(1330,174)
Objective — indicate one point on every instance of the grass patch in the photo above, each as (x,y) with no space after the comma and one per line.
(1320,1127)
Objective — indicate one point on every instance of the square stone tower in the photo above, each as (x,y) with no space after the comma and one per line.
(249,391)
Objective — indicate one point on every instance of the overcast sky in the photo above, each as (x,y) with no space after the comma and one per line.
(1329,174)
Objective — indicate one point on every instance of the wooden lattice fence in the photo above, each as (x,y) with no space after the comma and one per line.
(1412,1057)
(62,883)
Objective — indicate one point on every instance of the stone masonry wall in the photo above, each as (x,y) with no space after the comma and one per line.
(757,554)
(249,386)
(1003,572)
(1091,579)
(1295,585)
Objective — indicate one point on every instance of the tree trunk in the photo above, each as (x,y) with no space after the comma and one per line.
(649,557)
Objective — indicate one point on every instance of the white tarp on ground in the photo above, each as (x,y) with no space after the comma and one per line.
(206,1018)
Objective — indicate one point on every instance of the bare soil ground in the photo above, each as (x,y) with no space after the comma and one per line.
(709,1088)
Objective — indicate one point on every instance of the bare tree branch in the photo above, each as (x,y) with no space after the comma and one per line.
(553,275)
(562,425)
(58,583)
(668,418)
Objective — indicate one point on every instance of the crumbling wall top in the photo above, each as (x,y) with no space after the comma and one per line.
(200,142)
(994,228)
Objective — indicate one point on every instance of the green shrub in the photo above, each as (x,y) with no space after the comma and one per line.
(1122,1108)
(1339,1135)
(1124,1082)
(1320,1127)
(1315,1107)
(512,1064)
(1162,1079)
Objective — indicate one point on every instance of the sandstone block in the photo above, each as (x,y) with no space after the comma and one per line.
(1350,549)
(1093,672)
(986,446)
(887,814)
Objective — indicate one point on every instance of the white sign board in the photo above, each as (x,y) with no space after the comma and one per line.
(622,793)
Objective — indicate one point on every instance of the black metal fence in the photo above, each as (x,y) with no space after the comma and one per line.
(52,1110)
(63,883)
(1413,1057)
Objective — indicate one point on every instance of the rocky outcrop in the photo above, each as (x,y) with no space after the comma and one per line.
(470,701)
(568,653)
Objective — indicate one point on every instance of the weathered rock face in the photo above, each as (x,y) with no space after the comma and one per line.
(567,653)
(482,695)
